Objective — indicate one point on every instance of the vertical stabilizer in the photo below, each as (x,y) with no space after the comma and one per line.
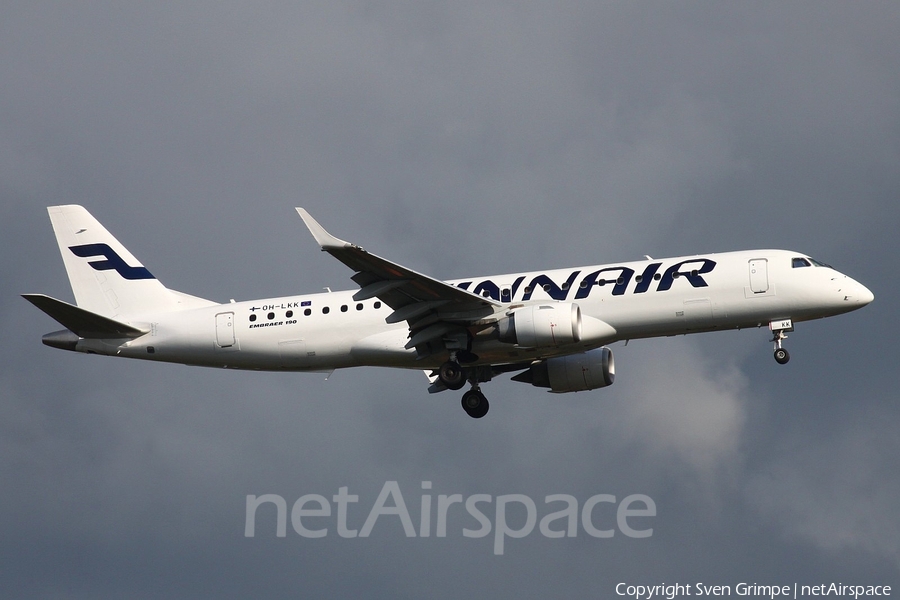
(106,278)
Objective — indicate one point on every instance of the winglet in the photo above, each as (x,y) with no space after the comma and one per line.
(325,239)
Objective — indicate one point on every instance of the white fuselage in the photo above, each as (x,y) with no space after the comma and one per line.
(640,299)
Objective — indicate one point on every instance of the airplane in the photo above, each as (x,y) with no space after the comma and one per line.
(552,328)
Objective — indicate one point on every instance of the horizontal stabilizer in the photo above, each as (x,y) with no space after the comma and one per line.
(82,322)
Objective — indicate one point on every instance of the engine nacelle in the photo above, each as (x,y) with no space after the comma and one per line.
(542,325)
(573,373)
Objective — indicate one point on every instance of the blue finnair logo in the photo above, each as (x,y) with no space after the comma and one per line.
(113,261)
(691,270)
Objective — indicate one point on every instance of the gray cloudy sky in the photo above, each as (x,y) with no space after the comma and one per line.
(459,139)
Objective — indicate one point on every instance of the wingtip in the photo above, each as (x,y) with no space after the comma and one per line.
(324,239)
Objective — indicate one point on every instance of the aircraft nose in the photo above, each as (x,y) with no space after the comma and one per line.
(857,293)
(852,294)
(864,295)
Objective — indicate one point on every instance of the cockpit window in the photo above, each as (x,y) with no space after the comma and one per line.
(800,261)
(820,264)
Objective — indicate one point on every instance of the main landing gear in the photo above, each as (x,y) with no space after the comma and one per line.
(778,329)
(474,403)
(453,376)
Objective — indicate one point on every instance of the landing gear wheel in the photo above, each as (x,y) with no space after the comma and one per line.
(452,375)
(782,356)
(778,336)
(475,404)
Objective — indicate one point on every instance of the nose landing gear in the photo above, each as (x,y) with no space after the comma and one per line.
(778,329)
(782,356)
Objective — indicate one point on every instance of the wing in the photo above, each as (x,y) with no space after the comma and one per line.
(440,316)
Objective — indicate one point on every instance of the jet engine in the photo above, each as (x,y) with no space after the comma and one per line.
(542,325)
(573,373)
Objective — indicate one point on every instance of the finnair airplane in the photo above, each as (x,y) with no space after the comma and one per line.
(552,327)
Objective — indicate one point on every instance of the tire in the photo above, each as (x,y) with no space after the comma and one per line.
(452,375)
(475,404)
(782,356)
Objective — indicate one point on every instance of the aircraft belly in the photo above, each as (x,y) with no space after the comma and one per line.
(385,349)
(641,317)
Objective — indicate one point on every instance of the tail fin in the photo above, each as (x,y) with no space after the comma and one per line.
(105,277)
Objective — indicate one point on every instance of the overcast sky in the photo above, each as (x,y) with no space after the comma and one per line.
(458,139)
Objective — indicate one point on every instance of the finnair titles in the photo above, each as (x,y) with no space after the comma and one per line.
(552,329)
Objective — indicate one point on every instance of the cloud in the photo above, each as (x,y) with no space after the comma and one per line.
(679,407)
(836,490)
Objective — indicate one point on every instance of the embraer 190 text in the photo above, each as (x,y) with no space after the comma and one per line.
(551,327)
